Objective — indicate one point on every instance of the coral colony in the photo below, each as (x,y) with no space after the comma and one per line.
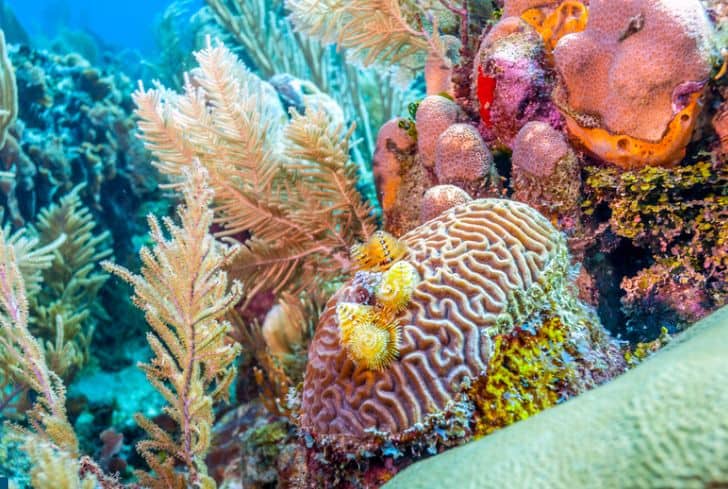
(388,243)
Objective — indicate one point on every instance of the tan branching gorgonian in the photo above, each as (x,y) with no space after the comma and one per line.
(22,360)
(384,31)
(290,185)
(184,293)
(31,259)
(61,311)
(266,37)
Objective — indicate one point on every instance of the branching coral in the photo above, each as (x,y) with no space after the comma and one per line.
(23,361)
(268,41)
(184,293)
(379,30)
(61,312)
(291,187)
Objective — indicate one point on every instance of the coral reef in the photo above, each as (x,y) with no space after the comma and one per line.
(545,173)
(627,433)
(679,216)
(440,198)
(511,84)
(487,267)
(75,126)
(649,54)
(65,312)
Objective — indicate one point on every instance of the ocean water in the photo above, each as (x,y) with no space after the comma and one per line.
(119,24)
(266,244)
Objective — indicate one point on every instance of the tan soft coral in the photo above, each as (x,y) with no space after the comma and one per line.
(629,83)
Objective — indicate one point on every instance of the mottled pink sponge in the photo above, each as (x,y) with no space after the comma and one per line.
(623,70)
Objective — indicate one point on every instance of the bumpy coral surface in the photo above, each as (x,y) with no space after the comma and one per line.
(630,73)
(440,198)
(434,114)
(485,266)
(545,172)
(662,424)
(400,181)
(461,158)
(510,81)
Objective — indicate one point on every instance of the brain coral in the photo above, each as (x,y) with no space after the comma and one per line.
(480,263)
(630,71)
(660,425)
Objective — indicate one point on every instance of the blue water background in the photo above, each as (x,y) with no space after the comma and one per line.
(121,24)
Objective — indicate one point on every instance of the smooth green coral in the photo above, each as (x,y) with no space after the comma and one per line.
(662,424)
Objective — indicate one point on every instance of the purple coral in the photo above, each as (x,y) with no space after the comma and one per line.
(440,198)
(462,159)
(512,54)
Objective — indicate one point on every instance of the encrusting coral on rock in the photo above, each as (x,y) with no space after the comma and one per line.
(546,173)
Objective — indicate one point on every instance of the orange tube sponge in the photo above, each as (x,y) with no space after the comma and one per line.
(569,17)
(630,152)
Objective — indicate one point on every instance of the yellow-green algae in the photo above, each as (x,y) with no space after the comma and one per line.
(661,425)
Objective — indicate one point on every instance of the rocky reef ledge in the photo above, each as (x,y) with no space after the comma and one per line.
(662,424)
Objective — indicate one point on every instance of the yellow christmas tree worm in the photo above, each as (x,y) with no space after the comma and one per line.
(184,293)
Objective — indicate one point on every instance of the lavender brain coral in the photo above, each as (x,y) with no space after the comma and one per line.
(483,265)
